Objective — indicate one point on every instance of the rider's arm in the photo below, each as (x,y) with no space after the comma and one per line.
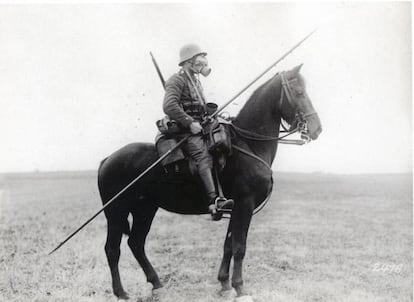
(171,106)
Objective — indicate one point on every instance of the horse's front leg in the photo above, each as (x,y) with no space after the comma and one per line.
(223,275)
(241,217)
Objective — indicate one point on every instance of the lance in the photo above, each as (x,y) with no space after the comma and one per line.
(260,75)
(179,143)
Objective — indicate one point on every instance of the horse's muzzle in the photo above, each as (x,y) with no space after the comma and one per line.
(314,126)
(315,134)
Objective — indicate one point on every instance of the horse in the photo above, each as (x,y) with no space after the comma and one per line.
(246,178)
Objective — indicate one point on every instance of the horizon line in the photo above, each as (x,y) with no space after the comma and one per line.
(275,171)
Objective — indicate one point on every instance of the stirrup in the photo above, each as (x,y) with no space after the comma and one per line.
(226,206)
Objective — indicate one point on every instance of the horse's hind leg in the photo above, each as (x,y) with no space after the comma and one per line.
(113,252)
(141,225)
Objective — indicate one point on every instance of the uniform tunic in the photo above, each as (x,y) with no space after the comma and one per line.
(181,104)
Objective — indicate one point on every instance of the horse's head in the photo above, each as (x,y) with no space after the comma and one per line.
(295,104)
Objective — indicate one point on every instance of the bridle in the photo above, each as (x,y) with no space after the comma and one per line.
(288,91)
(300,120)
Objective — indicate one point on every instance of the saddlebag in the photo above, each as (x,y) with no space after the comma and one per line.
(163,144)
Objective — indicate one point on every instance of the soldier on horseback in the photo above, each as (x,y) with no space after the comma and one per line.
(184,103)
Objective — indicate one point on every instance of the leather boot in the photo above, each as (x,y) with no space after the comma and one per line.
(215,203)
(208,182)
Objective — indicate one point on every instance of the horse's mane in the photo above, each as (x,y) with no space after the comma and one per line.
(258,95)
(265,92)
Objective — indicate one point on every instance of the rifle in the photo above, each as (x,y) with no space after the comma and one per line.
(158,70)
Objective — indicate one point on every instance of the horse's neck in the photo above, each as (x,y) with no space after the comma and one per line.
(261,116)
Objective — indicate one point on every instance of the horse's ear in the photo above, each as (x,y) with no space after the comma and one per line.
(297,69)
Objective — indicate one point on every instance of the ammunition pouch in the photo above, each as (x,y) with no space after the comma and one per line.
(193,109)
(217,138)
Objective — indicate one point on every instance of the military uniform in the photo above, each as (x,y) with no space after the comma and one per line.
(182,105)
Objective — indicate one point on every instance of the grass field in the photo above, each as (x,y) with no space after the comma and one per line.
(320,238)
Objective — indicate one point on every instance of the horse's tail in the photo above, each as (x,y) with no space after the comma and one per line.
(100,176)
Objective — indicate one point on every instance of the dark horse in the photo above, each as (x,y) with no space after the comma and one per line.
(247,179)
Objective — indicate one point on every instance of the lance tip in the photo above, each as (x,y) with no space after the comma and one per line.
(56,248)
(312,32)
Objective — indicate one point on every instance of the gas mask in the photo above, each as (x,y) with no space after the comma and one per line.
(200,66)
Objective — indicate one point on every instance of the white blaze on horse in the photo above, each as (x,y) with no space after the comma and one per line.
(246,178)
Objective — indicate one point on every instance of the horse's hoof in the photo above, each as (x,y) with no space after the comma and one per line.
(225,286)
(243,299)
(158,290)
(226,289)
(122,295)
(159,294)
(157,285)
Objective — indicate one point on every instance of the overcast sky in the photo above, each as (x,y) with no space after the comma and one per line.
(77,81)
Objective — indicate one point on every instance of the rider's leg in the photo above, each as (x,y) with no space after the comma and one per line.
(197,149)
(208,183)
(216,204)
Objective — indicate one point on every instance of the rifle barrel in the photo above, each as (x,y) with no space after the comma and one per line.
(158,70)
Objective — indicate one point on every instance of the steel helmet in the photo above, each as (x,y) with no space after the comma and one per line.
(189,51)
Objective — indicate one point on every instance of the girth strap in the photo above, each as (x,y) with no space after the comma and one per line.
(244,151)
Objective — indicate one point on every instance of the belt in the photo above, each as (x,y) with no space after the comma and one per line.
(193,109)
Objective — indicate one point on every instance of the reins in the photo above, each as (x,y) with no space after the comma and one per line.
(300,122)
(260,137)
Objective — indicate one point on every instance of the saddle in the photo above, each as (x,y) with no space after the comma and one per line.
(218,139)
